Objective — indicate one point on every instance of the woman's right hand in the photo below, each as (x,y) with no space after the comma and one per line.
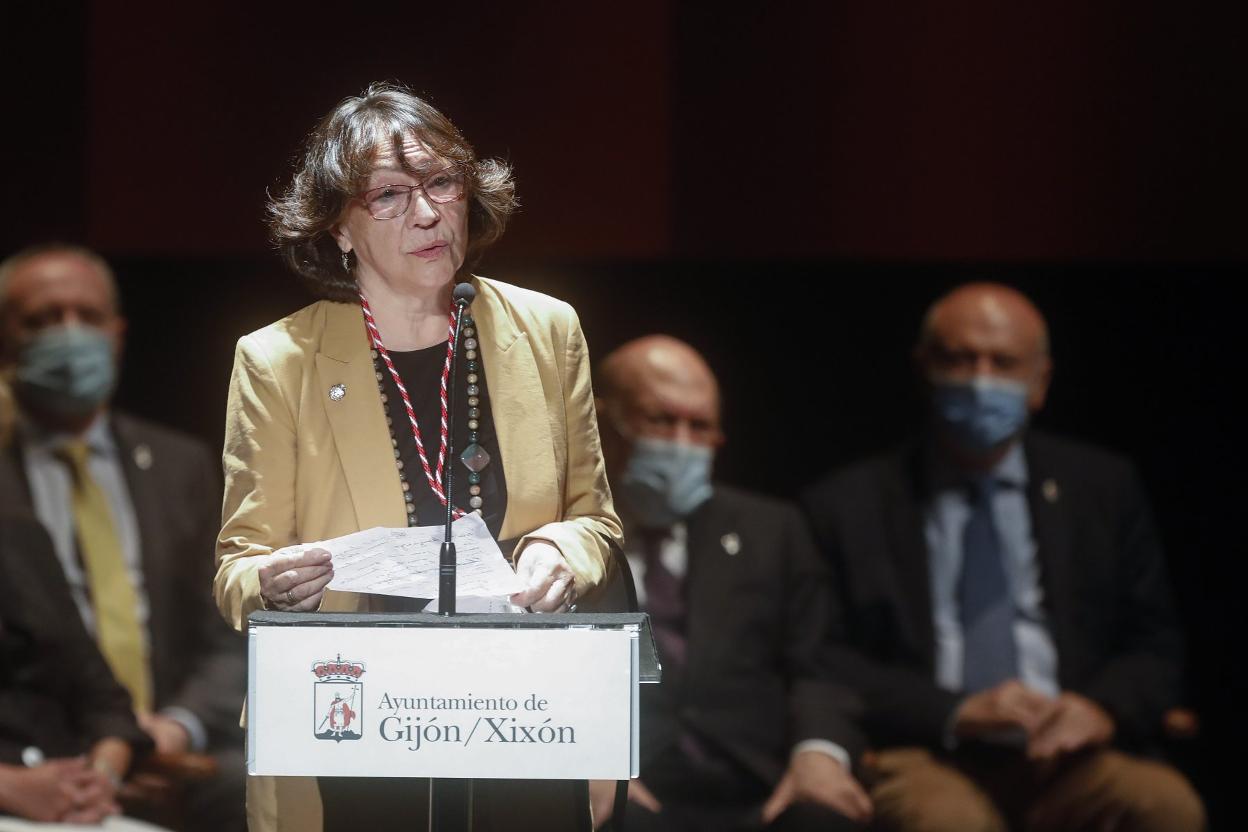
(295,582)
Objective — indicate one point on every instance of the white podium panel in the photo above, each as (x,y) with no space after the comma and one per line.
(442,702)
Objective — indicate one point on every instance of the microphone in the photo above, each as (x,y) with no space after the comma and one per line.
(463,295)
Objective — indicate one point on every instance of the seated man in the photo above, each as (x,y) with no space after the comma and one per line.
(132,509)
(740,735)
(67,731)
(1005,597)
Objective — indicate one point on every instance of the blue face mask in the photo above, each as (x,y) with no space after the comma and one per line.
(981,413)
(666,481)
(66,370)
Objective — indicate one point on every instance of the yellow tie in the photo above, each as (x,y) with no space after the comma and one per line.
(112,595)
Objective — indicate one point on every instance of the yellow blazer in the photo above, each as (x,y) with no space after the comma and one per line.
(300,466)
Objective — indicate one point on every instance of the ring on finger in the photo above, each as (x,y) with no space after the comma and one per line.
(290,598)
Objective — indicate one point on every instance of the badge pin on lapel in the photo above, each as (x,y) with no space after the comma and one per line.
(143,457)
(1050,490)
(337,392)
(731,543)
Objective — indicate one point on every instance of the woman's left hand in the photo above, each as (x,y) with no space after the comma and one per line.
(551,586)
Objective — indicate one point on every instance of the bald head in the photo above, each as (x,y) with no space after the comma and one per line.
(656,360)
(656,387)
(986,329)
(43,291)
(55,285)
(984,307)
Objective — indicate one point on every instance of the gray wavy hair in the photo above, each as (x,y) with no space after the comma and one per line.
(338,158)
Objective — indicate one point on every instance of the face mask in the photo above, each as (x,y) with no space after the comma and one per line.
(665,481)
(67,370)
(981,413)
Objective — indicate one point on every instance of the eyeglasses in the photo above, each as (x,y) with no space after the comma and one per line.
(388,202)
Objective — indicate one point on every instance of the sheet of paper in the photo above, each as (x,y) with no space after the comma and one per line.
(405,561)
(496,603)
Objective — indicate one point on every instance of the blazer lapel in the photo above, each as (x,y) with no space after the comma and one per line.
(1050,523)
(518,402)
(904,507)
(13,485)
(707,583)
(357,419)
(142,470)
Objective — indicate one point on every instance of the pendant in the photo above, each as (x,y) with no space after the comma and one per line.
(475,458)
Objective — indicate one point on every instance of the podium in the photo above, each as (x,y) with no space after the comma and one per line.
(498,696)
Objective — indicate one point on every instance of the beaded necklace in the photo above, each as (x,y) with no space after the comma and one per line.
(474,457)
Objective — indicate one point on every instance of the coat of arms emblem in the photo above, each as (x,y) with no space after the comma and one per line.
(338,700)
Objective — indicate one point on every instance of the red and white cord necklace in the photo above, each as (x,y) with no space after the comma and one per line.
(433,476)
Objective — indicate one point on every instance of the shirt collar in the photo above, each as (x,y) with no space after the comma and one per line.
(98,436)
(1010,471)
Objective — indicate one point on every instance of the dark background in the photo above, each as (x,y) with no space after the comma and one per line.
(786,188)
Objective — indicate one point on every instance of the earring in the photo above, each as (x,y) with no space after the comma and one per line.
(346,262)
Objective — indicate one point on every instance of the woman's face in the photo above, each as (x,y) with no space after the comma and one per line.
(423,247)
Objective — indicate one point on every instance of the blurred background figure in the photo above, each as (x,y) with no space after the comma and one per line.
(132,509)
(67,732)
(741,734)
(8,413)
(1006,597)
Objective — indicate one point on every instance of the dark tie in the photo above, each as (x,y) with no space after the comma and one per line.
(665,603)
(989,655)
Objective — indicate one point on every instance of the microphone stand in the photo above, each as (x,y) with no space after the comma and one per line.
(450,800)
(446,559)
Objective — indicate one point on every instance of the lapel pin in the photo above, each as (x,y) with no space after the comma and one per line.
(1050,491)
(731,543)
(337,392)
(143,457)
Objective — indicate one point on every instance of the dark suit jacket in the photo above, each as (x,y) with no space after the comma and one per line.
(56,692)
(755,620)
(1102,573)
(198,661)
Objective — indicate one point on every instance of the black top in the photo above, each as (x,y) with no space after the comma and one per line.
(421,371)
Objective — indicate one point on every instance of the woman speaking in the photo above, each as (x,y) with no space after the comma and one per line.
(335,415)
